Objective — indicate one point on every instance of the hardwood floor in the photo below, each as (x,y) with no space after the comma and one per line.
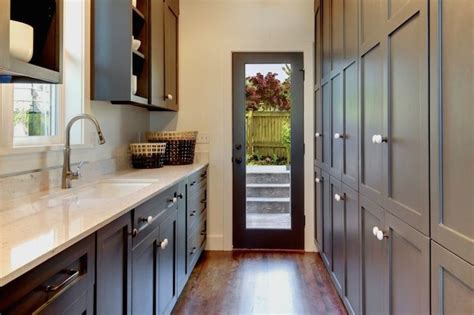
(259,282)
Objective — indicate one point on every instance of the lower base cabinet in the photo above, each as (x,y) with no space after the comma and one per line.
(64,284)
(452,283)
(395,264)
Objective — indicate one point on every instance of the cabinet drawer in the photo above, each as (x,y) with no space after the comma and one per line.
(150,214)
(64,282)
(197,181)
(197,204)
(196,242)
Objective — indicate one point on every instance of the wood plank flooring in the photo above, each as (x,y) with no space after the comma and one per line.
(259,282)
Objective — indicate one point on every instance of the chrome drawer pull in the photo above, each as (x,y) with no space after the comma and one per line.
(163,243)
(73,275)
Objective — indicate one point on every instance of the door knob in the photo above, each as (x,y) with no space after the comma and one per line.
(375,230)
(169,97)
(381,235)
(238,160)
(338,136)
(317,135)
(148,219)
(378,139)
(318,180)
(338,197)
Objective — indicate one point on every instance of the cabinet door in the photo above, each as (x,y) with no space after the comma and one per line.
(326,126)
(317,44)
(372,123)
(166,259)
(318,207)
(144,274)
(452,118)
(373,259)
(337,126)
(327,221)
(318,128)
(326,37)
(406,152)
(171,54)
(181,237)
(113,280)
(338,235)
(350,163)
(407,279)
(352,219)
(452,283)
(157,53)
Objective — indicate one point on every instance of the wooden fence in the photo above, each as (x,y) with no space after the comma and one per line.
(264,133)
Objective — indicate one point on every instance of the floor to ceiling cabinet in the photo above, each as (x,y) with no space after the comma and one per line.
(394,153)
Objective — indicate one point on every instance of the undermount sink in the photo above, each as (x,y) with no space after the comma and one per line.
(111,189)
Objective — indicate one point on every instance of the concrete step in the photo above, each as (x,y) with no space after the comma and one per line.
(268,205)
(268,178)
(268,190)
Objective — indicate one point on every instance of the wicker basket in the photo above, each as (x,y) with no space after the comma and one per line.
(147,155)
(180,145)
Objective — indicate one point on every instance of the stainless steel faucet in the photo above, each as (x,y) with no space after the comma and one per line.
(69,175)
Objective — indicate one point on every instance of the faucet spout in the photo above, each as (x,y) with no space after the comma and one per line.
(67,174)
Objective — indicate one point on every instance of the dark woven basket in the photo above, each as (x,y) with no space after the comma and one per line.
(180,146)
(147,155)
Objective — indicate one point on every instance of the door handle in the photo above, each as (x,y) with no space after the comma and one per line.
(238,160)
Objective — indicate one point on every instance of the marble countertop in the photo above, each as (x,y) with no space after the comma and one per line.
(37,227)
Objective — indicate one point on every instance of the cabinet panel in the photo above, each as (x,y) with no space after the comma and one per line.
(171,57)
(318,128)
(337,33)
(144,273)
(326,136)
(350,30)
(452,283)
(452,117)
(371,19)
(318,206)
(352,236)
(326,40)
(408,273)
(317,47)
(113,282)
(157,53)
(337,126)
(181,237)
(373,259)
(166,264)
(350,167)
(408,145)
(338,234)
(372,122)
(327,221)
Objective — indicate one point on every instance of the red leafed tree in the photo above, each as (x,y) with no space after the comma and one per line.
(266,92)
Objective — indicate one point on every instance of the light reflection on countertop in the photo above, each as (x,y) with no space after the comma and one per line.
(36,227)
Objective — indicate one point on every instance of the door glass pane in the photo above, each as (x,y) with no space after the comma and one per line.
(268,142)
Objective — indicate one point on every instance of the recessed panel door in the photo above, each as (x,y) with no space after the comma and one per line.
(337,126)
(339,235)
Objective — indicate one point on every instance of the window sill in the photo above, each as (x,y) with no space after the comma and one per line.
(22,150)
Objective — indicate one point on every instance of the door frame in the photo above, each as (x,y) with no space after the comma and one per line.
(293,238)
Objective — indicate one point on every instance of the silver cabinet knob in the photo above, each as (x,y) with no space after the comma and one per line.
(317,135)
(318,180)
(173,200)
(169,97)
(338,136)
(164,243)
(378,139)
(338,197)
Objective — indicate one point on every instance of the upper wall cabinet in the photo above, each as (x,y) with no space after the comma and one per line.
(31,41)
(134,53)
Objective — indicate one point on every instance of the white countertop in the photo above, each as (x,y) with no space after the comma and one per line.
(37,227)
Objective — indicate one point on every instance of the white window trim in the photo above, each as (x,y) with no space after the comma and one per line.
(11,146)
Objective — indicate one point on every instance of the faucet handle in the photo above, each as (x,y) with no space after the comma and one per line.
(77,174)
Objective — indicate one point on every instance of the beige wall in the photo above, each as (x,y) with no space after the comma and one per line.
(210,30)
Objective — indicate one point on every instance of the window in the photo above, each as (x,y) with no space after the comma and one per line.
(34,110)
(34,114)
